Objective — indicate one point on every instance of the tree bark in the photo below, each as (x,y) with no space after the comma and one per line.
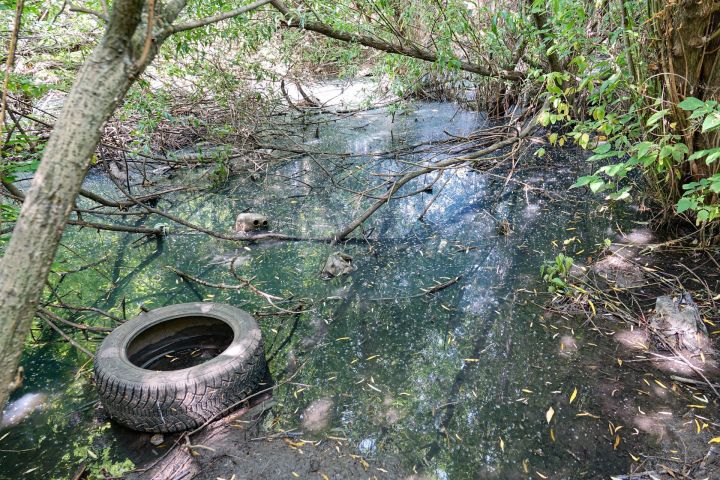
(689,57)
(100,85)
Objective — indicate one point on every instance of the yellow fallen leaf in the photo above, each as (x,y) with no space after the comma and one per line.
(661,384)
(540,474)
(573,395)
(714,440)
(549,414)
(592,307)
(617,442)
(526,465)
(552,434)
(502,445)
(295,474)
(634,457)
(586,414)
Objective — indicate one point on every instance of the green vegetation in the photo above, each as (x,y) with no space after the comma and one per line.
(186,112)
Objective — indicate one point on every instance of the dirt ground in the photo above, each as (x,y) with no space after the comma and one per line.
(236,448)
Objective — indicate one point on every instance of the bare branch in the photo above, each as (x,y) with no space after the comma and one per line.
(89,11)
(294,21)
(201,22)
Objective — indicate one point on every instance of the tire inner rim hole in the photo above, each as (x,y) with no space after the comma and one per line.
(179,343)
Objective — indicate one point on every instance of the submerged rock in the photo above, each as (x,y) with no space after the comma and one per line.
(337,264)
(316,416)
(157,439)
(619,271)
(677,324)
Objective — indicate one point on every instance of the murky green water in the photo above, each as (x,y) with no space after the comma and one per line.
(456,385)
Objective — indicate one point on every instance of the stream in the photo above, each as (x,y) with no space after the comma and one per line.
(457,384)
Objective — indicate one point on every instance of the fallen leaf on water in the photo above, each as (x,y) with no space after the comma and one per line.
(714,440)
(617,442)
(502,445)
(634,457)
(540,474)
(549,414)
(526,465)
(295,474)
(573,395)
(586,414)
(552,434)
(324,477)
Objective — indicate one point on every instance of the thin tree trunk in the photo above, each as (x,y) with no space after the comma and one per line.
(127,47)
(100,85)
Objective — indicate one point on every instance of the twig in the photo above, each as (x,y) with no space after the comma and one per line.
(10,62)
(66,336)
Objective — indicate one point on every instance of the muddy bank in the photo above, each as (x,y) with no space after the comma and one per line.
(239,447)
(656,301)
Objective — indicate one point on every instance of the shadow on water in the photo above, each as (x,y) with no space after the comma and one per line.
(456,384)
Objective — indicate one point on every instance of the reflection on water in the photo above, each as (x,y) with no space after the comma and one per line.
(456,384)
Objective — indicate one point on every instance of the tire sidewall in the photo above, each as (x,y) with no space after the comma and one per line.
(111,357)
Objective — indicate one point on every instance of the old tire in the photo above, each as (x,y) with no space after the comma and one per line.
(150,400)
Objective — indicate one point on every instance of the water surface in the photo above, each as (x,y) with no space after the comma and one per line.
(457,384)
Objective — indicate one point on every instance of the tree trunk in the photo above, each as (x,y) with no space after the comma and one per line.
(689,49)
(100,85)
(127,47)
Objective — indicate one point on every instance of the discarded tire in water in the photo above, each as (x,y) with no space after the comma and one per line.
(177,367)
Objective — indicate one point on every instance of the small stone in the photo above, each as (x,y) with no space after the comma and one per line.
(157,439)
(316,416)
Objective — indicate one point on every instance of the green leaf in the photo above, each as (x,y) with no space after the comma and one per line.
(711,122)
(582,181)
(597,186)
(685,204)
(603,148)
(691,103)
(697,155)
(644,147)
(655,117)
